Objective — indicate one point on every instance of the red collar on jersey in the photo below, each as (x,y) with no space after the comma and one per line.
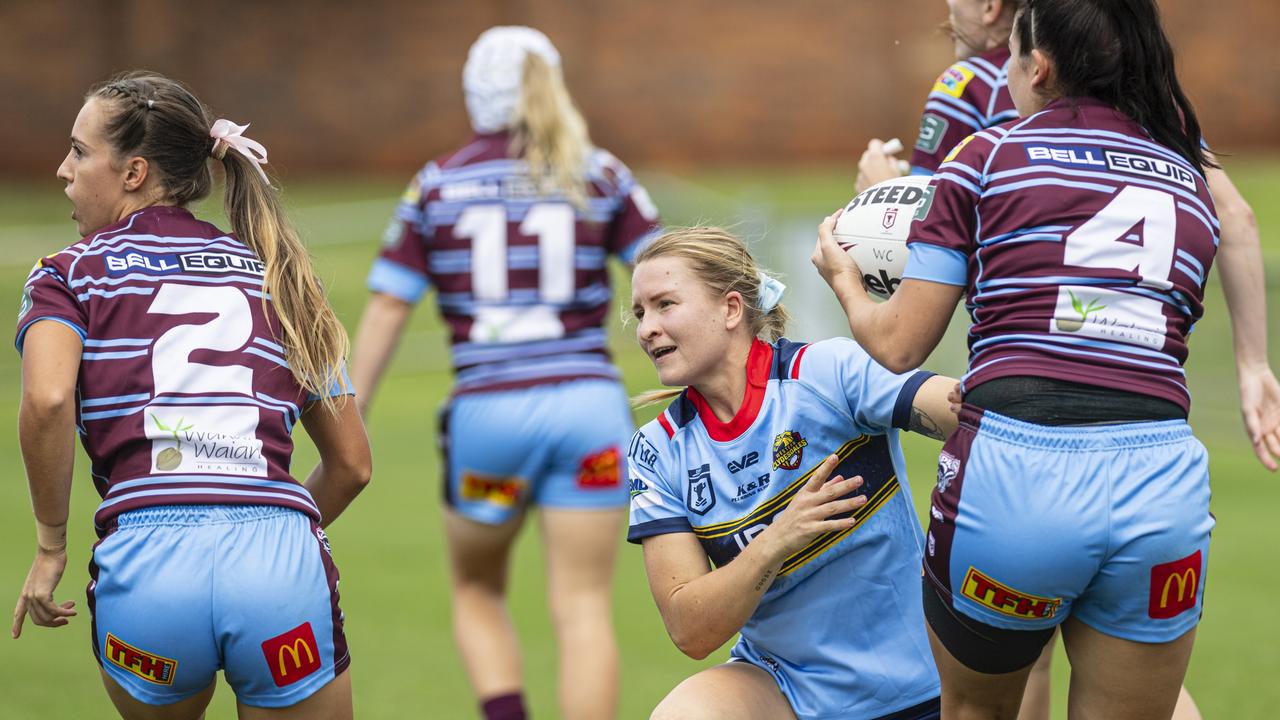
(759,364)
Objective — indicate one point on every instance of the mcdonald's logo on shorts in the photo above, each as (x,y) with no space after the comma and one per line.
(1174,587)
(293,655)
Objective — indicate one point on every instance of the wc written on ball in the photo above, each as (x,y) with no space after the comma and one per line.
(875,226)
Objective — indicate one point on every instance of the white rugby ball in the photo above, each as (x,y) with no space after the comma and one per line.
(875,226)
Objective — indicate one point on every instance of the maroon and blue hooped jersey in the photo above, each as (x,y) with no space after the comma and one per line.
(520,276)
(971,95)
(1083,247)
(184,395)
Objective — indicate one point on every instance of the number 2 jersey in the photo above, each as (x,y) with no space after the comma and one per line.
(184,395)
(520,275)
(841,628)
(1083,247)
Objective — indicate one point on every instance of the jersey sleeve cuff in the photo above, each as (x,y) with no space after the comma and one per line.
(918,170)
(22,331)
(907,397)
(392,278)
(661,526)
(936,264)
(335,388)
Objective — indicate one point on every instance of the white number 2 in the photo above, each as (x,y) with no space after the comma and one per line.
(232,326)
(486,227)
(1104,241)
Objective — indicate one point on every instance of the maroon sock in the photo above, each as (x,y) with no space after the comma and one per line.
(504,707)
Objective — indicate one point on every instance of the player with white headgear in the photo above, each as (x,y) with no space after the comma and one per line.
(513,231)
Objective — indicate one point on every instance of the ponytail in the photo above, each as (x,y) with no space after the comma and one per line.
(549,132)
(315,342)
(1116,51)
(161,120)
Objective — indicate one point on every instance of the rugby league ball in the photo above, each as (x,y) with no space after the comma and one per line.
(875,226)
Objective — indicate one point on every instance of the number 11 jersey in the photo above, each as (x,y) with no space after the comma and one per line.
(184,394)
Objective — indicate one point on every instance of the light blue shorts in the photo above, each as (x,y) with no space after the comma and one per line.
(558,445)
(181,591)
(1107,523)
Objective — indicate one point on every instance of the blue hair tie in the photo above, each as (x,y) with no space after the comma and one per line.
(770,292)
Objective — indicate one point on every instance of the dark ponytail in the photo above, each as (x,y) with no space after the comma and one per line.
(159,119)
(1116,51)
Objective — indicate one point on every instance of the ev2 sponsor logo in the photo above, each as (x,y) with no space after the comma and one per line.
(700,497)
(737,466)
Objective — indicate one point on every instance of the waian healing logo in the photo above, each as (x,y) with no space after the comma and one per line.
(1074,324)
(171,458)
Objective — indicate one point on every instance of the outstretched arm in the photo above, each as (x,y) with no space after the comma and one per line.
(380,329)
(46,432)
(1240,267)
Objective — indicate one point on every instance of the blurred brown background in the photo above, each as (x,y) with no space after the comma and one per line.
(375,86)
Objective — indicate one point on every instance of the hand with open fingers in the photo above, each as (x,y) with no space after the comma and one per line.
(1260,406)
(833,264)
(36,599)
(876,165)
(824,504)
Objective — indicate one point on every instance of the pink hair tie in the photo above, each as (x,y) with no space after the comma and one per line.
(227,134)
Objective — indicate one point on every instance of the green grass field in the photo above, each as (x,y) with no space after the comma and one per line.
(389,545)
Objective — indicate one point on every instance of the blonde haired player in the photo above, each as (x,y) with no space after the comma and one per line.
(513,231)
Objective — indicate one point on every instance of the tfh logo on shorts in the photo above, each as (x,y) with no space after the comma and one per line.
(293,655)
(986,591)
(1174,586)
(152,668)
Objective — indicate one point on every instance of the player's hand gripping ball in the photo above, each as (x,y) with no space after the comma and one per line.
(875,226)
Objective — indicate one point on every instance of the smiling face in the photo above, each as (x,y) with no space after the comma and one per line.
(95,177)
(684,328)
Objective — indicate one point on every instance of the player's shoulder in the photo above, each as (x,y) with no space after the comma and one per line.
(604,167)
(821,362)
(970,79)
(57,265)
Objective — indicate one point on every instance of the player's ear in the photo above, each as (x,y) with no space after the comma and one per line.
(992,10)
(134,173)
(1042,72)
(735,310)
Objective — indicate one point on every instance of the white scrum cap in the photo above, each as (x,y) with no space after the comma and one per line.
(495,67)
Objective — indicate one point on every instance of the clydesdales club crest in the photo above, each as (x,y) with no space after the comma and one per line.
(890,217)
(788,450)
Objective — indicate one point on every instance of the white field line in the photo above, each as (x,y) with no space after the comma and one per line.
(24,244)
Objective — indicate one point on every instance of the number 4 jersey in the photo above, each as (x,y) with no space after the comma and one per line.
(520,275)
(1083,245)
(184,395)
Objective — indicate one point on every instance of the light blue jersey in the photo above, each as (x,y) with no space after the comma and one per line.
(841,628)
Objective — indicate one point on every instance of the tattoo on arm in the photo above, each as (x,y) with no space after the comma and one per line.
(764,579)
(923,424)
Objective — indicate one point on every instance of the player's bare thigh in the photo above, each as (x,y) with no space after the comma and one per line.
(129,708)
(732,691)
(331,702)
(1112,677)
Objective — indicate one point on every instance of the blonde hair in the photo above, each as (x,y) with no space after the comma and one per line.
(315,343)
(161,120)
(724,265)
(550,132)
